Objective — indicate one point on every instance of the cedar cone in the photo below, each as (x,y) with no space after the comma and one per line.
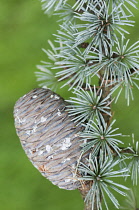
(49,136)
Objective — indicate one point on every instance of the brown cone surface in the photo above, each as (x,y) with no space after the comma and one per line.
(48,136)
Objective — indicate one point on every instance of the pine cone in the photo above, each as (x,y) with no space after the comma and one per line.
(49,136)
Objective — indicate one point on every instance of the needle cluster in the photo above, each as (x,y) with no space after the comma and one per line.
(96,61)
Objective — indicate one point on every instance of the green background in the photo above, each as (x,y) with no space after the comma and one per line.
(24,30)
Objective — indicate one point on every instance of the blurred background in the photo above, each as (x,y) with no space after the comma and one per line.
(24,31)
